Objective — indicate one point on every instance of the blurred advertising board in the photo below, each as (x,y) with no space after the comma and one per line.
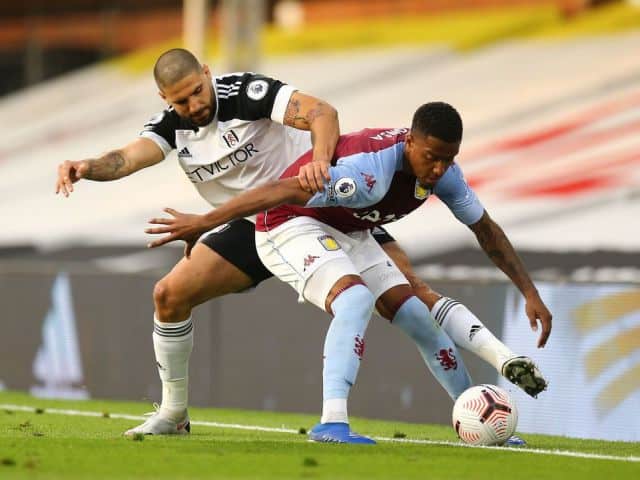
(592,361)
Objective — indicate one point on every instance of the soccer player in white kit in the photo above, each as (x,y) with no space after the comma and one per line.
(330,257)
(231,132)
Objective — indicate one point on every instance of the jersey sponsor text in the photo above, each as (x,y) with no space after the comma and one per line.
(205,173)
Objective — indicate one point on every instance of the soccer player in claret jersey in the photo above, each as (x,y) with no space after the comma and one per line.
(378,176)
(231,132)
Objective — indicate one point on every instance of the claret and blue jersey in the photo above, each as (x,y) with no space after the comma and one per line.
(368,186)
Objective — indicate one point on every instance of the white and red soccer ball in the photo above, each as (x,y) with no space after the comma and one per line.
(484,415)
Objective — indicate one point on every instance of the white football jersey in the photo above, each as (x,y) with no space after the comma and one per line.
(244,146)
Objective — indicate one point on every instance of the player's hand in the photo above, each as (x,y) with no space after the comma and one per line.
(183,226)
(537,311)
(313,175)
(70,172)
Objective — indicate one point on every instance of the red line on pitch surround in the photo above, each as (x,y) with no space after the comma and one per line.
(566,189)
(554,131)
(596,178)
(518,161)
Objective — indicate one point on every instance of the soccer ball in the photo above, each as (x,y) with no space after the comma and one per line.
(484,415)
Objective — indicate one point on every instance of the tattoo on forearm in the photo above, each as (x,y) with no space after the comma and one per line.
(108,167)
(488,240)
(499,249)
(294,118)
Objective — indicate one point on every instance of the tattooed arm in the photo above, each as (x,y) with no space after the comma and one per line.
(498,248)
(139,154)
(309,113)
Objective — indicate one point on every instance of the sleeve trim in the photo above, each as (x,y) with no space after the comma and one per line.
(280,103)
(158,140)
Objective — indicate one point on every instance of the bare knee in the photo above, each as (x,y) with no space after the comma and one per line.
(421,289)
(424,292)
(340,286)
(170,304)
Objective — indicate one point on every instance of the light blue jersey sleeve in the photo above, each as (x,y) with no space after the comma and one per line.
(361,179)
(454,191)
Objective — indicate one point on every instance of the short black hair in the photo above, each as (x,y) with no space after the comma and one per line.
(173,65)
(438,119)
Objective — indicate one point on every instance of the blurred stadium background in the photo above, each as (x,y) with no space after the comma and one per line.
(550,95)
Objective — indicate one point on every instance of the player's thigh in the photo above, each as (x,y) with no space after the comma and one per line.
(235,242)
(225,261)
(377,269)
(203,276)
(381,275)
(308,255)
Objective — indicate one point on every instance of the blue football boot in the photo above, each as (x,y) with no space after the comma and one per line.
(515,441)
(337,433)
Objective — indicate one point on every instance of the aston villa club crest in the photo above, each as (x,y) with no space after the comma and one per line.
(230,138)
(329,243)
(420,192)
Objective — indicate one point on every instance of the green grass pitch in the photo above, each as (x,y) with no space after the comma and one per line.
(45,443)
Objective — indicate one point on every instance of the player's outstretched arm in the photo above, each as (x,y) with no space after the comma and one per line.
(189,227)
(498,248)
(309,113)
(113,165)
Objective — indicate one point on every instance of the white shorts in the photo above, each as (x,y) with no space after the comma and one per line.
(312,256)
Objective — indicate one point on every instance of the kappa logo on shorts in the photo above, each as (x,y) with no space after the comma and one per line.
(421,192)
(329,243)
(309,259)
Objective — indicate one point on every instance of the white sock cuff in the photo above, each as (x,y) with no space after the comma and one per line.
(173,330)
(334,410)
(442,308)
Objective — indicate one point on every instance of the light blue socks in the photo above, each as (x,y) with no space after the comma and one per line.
(343,349)
(437,349)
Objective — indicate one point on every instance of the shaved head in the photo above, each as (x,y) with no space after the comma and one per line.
(173,65)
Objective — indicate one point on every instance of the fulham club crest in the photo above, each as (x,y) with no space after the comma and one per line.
(230,138)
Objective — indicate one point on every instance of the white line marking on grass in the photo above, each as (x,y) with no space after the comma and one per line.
(542,451)
(257,428)
(124,416)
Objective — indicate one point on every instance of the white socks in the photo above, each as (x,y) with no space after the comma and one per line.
(334,410)
(172,343)
(468,332)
